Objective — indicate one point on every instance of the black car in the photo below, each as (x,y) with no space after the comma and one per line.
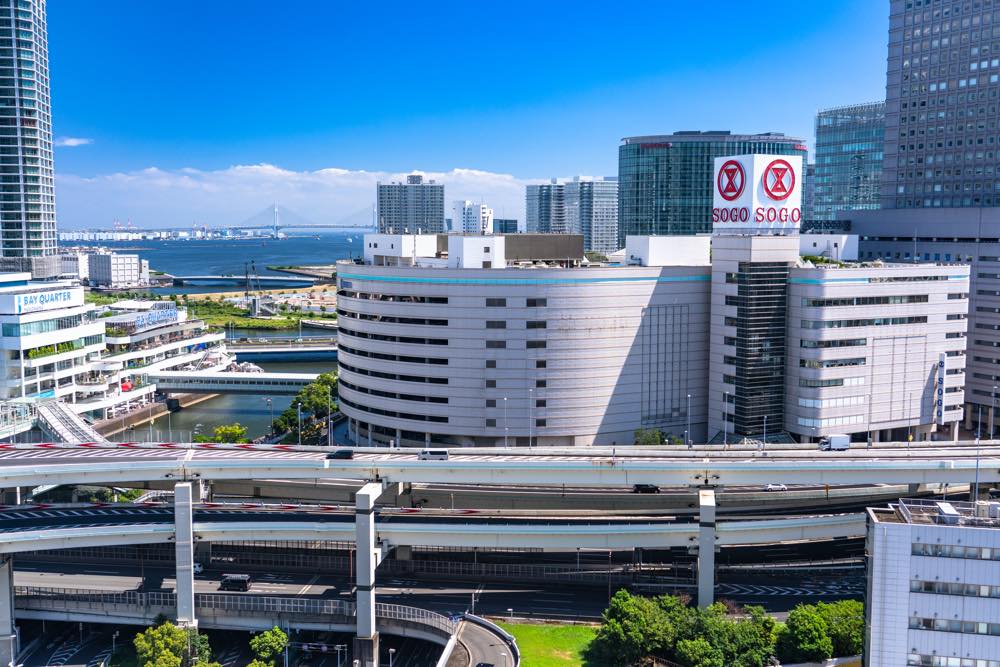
(645,488)
(485,664)
(341,454)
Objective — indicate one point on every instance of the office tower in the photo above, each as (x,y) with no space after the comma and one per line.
(27,196)
(582,206)
(591,209)
(414,206)
(544,208)
(808,193)
(665,181)
(943,74)
(504,226)
(471,218)
(848,160)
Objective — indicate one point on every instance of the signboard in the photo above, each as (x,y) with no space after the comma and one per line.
(147,319)
(942,371)
(757,194)
(33,302)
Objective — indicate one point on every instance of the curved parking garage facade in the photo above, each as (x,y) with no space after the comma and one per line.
(540,350)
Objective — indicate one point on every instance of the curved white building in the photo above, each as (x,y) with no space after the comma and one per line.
(438,349)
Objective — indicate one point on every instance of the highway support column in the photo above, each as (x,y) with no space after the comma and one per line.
(366,639)
(8,633)
(706,547)
(184,554)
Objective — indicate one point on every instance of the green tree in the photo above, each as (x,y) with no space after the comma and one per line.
(634,627)
(698,653)
(804,637)
(845,621)
(269,644)
(648,437)
(167,645)
(258,663)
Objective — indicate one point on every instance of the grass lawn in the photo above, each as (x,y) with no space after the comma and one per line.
(551,645)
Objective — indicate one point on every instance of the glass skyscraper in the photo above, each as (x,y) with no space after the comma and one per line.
(665,181)
(581,206)
(27,193)
(848,159)
(943,78)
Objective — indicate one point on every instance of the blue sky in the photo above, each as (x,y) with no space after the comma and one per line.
(178,104)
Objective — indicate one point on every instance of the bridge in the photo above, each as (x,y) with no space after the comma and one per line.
(274,281)
(303,349)
(228,382)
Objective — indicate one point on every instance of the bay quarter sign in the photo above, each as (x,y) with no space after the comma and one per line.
(757,194)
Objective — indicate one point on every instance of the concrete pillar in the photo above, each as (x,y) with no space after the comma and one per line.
(8,632)
(369,434)
(184,554)
(366,641)
(427,439)
(706,547)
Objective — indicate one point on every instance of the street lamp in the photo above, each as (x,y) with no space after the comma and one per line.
(688,435)
(909,418)
(298,413)
(763,442)
(329,417)
(725,423)
(993,414)
(392,652)
(505,445)
(270,404)
(531,414)
(340,648)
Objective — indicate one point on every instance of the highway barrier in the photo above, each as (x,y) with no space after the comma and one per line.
(500,632)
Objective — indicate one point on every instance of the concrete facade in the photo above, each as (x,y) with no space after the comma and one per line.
(413,207)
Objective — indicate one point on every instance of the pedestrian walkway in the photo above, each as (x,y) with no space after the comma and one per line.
(64,425)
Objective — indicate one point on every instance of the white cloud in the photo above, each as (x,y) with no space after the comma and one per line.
(156,197)
(72,141)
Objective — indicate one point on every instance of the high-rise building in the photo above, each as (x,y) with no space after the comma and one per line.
(848,159)
(471,218)
(943,74)
(591,208)
(27,194)
(544,208)
(582,206)
(504,225)
(808,192)
(414,206)
(665,181)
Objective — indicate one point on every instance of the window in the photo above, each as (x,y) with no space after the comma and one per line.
(537,303)
(496,303)
(491,363)
(541,363)
(496,344)
(491,384)
(540,383)
(539,422)
(535,344)
(486,249)
(496,324)
(540,403)
(491,423)
(535,324)
(491,403)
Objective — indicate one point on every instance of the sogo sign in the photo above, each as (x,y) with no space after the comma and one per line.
(757,192)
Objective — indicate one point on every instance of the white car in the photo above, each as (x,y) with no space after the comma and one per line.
(197,569)
(775,487)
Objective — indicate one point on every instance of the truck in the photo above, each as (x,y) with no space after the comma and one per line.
(835,443)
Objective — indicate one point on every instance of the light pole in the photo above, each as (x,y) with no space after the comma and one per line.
(505,445)
(689,422)
(329,417)
(270,405)
(340,648)
(725,423)
(993,414)
(763,442)
(298,413)
(392,652)
(909,418)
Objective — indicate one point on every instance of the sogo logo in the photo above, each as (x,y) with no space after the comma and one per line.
(731,180)
(777,181)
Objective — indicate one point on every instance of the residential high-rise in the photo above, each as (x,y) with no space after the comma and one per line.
(544,208)
(943,74)
(471,218)
(848,159)
(581,206)
(665,181)
(414,206)
(27,195)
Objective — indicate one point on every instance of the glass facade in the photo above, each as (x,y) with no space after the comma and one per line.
(665,181)
(848,160)
(592,210)
(943,82)
(27,196)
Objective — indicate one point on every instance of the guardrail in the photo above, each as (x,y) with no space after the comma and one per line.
(70,599)
(507,638)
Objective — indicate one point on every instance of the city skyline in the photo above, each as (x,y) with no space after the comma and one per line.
(184,141)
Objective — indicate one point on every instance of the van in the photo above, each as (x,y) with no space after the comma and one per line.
(433,455)
(835,443)
(235,582)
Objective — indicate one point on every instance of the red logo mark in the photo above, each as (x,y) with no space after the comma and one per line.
(779,180)
(730,180)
